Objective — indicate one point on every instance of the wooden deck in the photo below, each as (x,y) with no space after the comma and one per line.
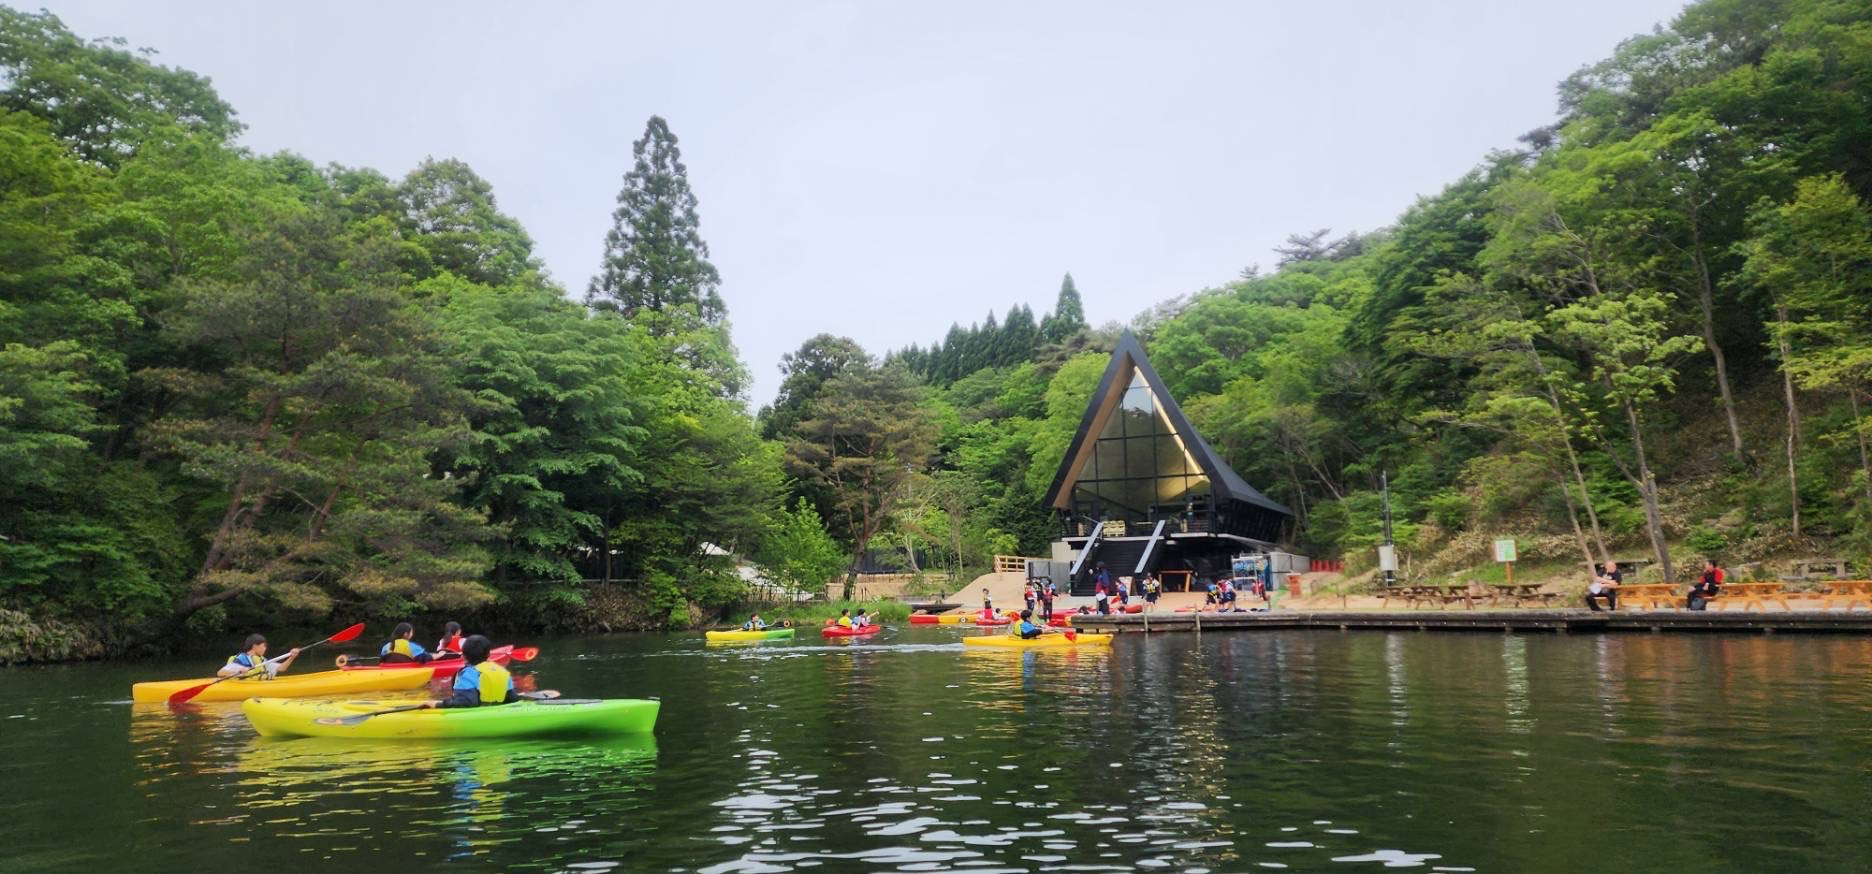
(1560,621)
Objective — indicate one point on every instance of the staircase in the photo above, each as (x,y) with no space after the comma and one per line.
(1120,557)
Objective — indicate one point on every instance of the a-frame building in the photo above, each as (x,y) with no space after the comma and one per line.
(1139,490)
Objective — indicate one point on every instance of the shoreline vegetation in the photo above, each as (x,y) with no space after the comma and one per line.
(243,391)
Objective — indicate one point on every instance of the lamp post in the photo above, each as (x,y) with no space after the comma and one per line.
(1387,554)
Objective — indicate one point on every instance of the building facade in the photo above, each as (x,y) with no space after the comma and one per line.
(1139,490)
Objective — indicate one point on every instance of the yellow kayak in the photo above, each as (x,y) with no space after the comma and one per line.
(768,634)
(288,685)
(1044,641)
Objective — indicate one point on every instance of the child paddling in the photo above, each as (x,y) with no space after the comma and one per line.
(253,657)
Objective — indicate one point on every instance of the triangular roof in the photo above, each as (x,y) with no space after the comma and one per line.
(1128,359)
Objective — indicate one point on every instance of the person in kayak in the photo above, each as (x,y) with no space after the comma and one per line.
(480,683)
(862,619)
(754,623)
(401,649)
(254,656)
(1027,629)
(844,619)
(451,642)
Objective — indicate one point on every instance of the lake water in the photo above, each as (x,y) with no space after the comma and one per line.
(1303,750)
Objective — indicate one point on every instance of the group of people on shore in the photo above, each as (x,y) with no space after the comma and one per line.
(1607,578)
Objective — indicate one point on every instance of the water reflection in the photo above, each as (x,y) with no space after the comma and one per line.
(1228,752)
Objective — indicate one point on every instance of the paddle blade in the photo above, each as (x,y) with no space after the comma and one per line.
(524,654)
(1072,636)
(187,695)
(348,634)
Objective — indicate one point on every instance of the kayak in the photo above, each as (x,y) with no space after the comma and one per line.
(836,631)
(768,634)
(1060,622)
(925,619)
(981,621)
(323,683)
(1134,608)
(279,717)
(445,669)
(1044,641)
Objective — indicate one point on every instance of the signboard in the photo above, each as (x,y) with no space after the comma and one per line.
(1387,558)
(1504,550)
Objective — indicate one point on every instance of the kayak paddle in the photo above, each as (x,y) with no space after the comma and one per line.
(518,654)
(189,694)
(359,719)
(543,695)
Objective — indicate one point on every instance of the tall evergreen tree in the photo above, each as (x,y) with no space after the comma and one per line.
(1019,336)
(1068,316)
(655,258)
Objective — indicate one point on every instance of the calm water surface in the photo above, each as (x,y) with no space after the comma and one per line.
(1301,750)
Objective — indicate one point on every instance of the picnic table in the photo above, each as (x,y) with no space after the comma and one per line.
(1850,591)
(1650,594)
(1515,593)
(1754,595)
(1433,595)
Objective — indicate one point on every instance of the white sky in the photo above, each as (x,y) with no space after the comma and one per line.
(880,170)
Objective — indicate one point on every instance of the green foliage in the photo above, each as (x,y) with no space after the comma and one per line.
(100,99)
(865,443)
(1704,540)
(1449,510)
(799,552)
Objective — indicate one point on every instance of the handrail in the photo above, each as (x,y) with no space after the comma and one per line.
(1150,546)
(1079,563)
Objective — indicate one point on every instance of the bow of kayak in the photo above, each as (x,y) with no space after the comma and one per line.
(1044,641)
(322,683)
(276,717)
(767,634)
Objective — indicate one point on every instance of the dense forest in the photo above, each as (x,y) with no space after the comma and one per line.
(243,389)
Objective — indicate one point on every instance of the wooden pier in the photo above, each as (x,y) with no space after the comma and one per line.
(1561,621)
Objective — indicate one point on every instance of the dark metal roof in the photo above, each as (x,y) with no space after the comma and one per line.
(1223,480)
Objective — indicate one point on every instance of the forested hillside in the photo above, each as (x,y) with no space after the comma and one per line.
(247,389)
(1643,333)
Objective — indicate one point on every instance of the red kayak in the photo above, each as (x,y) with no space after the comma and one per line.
(993,621)
(925,619)
(861,631)
(444,668)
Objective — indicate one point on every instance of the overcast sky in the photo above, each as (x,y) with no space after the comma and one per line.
(880,170)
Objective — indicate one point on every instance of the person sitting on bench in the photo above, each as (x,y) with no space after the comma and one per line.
(1605,585)
(1705,587)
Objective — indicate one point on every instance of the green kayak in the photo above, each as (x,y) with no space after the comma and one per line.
(767,634)
(282,717)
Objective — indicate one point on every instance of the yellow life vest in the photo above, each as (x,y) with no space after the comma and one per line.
(494,682)
(401,646)
(845,622)
(256,671)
